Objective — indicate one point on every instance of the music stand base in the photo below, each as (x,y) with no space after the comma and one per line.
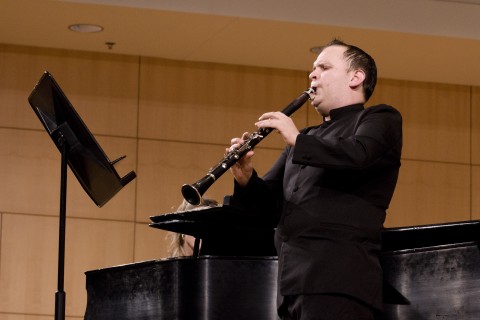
(59,305)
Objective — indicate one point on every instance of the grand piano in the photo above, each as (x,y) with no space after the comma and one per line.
(430,272)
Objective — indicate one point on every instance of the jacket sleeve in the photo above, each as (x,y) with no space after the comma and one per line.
(376,132)
(263,196)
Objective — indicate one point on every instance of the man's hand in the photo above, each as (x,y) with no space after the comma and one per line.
(281,123)
(243,169)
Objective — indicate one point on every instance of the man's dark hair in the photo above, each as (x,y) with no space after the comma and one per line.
(359,59)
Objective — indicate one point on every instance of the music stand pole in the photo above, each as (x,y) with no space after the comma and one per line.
(60,294)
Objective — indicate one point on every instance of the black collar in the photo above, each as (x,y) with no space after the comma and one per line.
(341,112)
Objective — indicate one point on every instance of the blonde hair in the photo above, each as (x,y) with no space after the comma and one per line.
(177,240)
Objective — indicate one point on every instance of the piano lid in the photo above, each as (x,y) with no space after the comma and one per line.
(433,235)
(224,230)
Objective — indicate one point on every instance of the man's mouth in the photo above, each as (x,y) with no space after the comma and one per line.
(312,95)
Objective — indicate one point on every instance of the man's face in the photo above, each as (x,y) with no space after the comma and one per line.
(331,79)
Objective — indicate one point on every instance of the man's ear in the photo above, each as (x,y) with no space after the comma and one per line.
(358,76)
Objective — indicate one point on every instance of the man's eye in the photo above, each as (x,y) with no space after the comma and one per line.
(321,67)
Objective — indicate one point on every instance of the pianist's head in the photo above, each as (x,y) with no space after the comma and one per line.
(181,245)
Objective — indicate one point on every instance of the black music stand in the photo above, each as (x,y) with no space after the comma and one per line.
(81,152)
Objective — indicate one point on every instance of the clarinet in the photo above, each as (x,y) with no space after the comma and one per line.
(192,193)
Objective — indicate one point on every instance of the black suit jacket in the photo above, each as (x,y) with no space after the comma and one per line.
(328,196)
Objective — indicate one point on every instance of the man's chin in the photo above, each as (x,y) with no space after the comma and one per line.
(321,111)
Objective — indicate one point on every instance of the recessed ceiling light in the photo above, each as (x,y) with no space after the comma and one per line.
(85,27)
(316,50)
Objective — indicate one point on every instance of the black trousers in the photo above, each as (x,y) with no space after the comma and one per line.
(324,307)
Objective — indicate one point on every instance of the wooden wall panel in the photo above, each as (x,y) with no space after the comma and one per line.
(150,243)
(30,173)
(475,193)
(28,273)
(436,118)
(204,102)
(430,192)
(6,316)
(102,87)
(475,125)
(28,264)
